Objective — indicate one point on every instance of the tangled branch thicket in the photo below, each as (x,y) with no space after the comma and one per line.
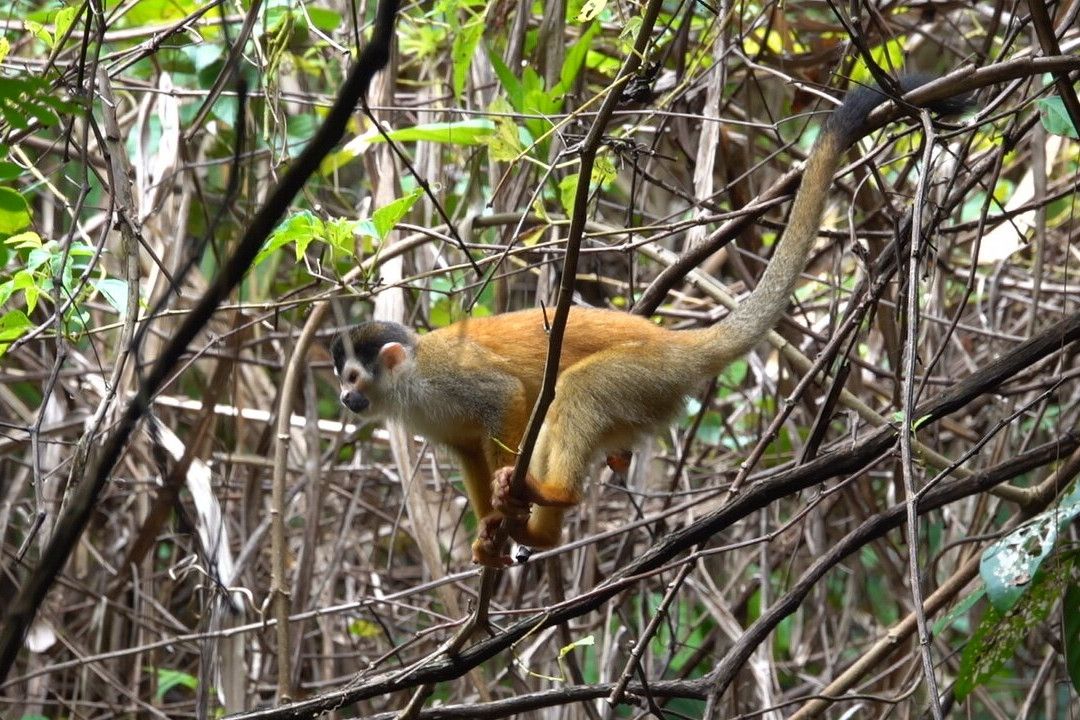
(784,549)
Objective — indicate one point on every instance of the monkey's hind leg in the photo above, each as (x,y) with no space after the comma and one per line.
(602,403)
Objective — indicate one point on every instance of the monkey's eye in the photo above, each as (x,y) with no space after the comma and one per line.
(351,377)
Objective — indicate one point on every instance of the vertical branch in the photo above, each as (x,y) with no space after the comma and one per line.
(907,457)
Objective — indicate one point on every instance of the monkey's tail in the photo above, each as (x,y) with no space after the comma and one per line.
(760,312)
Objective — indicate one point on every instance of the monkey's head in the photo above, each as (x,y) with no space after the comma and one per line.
(368,359)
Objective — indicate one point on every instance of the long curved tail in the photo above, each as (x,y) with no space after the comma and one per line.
(745,326)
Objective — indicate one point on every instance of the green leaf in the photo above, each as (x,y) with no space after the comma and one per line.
(1070,629)
(9,171)
(14,211)
(575,59)
(115,291)
(13,325)
(386,217)
(1008,565)
(462,52)
(64,18)
(323,19)
(339,159)
(38,30)
(586,641)
(603,171)
(463,133)
(25,281)
(43,114)
(505,145)
(297,226)
(568,192)
(959,611)
(364,629)
(28,239)
(1000,632)
(514,92)
(590,10)
(168,679)
(1055,118)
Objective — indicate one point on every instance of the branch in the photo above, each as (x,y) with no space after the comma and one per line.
(73,521)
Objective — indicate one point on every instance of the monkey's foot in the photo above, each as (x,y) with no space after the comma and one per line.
(484,550)
(503,500)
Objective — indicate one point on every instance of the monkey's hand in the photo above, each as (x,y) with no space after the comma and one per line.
(620,462)
(484,549)
(503,500)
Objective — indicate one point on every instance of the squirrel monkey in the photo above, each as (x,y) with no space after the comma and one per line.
(471,386)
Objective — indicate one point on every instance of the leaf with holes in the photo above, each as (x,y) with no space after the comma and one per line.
(1001,631)
(1008,565)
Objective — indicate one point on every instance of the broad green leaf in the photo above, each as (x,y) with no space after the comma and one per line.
(13,118)
(64,18)
(42,113)
(1008,565)
(999,633)
(386,217)
(322,18)
(889,55)
(156,12)
(303,223)
(464,132)
(9,171)
(13,325)
(1055,118)
(114,290)
(505,145)
(603,171)
(14,211)
(575,59)
(514,91)
(339,159)
(339,233)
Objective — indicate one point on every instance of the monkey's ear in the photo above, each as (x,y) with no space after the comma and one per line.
(393,355)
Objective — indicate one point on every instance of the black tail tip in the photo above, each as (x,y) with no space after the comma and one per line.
(849,118)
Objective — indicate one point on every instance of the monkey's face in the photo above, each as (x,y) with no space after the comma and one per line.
(368,360)
(355,381)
